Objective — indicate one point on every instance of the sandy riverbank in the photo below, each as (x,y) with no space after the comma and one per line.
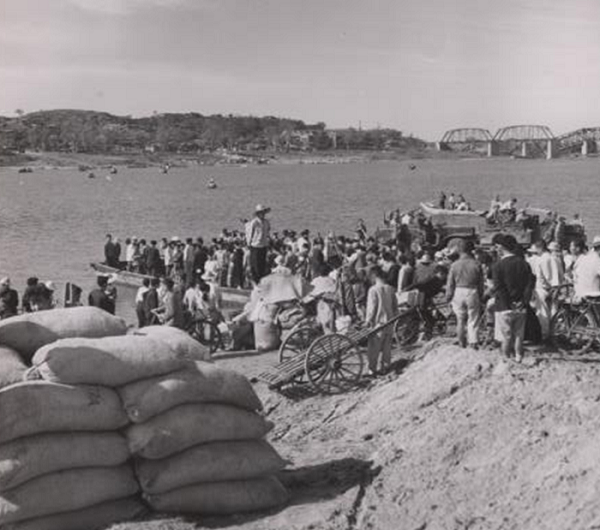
(455,439)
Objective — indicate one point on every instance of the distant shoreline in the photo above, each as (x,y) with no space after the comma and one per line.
(86,161)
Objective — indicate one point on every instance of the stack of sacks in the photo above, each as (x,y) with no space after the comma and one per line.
(177,404)
(63,464)
(198,441)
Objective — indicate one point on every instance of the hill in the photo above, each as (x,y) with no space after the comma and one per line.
(82,131)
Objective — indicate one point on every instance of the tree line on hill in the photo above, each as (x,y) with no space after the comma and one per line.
(79,131)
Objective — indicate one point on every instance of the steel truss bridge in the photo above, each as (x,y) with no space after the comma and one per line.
(522,141)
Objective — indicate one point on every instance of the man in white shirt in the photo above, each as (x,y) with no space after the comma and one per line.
(541,265)
(257,238)
(587,272)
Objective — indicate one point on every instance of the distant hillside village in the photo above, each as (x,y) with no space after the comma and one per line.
(76,131)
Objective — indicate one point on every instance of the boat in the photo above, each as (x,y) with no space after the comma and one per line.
(429,209)
(91,175)
(113,170)
(232,298)
(212,185)
(26,170)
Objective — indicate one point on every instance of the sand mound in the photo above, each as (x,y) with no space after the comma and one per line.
(457,440)
(460,439)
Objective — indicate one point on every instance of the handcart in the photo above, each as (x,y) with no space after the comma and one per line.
(331,364)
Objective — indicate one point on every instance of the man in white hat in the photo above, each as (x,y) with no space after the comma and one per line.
(587,272)
(257,238)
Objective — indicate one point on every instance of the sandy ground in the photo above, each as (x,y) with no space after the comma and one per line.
(455,439)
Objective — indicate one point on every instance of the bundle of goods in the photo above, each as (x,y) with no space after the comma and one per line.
(198,441)
(63,463)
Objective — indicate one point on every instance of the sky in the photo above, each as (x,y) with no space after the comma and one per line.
(421,66)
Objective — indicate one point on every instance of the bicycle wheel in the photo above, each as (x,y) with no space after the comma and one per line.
(406,328)
(207,333)
(572,333)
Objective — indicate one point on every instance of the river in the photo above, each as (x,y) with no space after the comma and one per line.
(53,222)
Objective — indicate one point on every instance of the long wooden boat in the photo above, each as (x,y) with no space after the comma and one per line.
(230,295)
(429,209)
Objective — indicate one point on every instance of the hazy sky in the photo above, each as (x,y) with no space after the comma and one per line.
(422,66)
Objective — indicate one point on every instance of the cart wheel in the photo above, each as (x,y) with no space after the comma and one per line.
(406,329)
(297,343)
(333,364)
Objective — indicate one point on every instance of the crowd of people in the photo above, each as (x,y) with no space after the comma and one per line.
(453,202)
(503,287)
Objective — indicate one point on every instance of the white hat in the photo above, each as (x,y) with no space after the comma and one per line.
(596,242)
(175,238)
(260,208)
(50,286)
(5,281)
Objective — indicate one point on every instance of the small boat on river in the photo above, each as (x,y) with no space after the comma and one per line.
(429,209)
(212,185)
(231,297)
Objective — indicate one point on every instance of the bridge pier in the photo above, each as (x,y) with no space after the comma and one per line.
(550,150)
(492,148)
(441,146)
(585,148)
(524,150)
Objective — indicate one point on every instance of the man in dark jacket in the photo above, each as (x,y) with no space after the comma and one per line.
(153,261)
(151,301)
(513,287)
(9,299)
(99,298)
(111,257)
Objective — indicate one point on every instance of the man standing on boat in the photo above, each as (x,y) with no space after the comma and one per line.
(111,257)
(257,239)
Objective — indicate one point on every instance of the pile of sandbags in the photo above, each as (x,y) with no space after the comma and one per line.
(63,462)
(94,397)
(198,441)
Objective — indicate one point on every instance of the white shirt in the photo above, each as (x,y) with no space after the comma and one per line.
(542,268)
(139,297)
(257,232)
(587,274)
(557,270)
(129,252)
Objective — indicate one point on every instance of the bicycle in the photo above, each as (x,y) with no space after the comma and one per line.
(433,319)
(575,327)
(206,331)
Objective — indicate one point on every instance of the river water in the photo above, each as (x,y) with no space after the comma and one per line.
(53,222)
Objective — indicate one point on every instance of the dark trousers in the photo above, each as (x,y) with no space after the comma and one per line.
(258,263)
(139,309)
